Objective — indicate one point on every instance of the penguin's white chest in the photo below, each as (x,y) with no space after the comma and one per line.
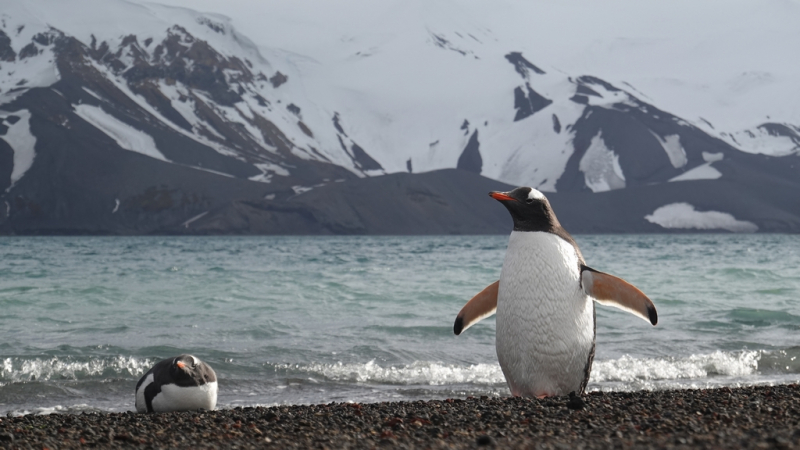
(177,398)
(545,322)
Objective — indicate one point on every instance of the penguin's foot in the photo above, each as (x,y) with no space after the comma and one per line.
(575,402)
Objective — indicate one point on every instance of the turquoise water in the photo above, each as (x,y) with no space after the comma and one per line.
(321,319)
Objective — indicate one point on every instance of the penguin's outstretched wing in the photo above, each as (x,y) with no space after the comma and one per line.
(478,308)
(612,291)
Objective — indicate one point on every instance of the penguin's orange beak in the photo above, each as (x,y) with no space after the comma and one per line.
(500,196)
(181,364)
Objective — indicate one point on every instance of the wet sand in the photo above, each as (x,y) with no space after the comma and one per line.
(752,417)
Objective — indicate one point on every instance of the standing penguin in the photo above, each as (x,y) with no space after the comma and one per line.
(182,383)
(544,302)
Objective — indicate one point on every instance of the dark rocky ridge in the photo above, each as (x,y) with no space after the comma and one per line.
(442,202)
(753,417)
(456,202)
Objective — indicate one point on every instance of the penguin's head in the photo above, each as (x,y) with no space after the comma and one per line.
(187,368)
(529,208)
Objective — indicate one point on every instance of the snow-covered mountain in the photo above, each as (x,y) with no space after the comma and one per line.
(133,117)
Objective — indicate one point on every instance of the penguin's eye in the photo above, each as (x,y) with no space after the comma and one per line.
(529,201)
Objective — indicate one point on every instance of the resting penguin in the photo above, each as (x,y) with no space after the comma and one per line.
(181,383)
(545,302)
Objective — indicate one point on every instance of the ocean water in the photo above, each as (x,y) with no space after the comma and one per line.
(288,320)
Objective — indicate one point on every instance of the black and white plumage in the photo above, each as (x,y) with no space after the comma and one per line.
(181,383)
(544,302)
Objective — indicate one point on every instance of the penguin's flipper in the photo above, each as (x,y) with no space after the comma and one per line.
(478,308)
(612,291)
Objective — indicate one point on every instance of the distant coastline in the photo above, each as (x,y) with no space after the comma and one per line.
(443,202)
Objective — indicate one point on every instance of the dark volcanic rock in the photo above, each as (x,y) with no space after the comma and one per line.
(527,104)
(28,51)
(278,79)
(556,124)
(6,165)
(586,90)
(588,79)
(294,109)
(363,160)
(470,159)
(337,125)
(7,53)
(521,65)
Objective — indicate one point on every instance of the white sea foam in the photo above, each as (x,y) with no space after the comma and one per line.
(58,409)
(622,373)
(19,370)
(629,369)
(419,372)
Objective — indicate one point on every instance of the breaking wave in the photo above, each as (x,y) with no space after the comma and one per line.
(719,363)
(417,373)
(37,369)
(58,409)
(720,368)
(625,373)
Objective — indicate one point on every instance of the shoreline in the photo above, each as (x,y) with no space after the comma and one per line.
(746,417)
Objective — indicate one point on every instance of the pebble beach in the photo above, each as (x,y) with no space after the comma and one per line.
(748,417)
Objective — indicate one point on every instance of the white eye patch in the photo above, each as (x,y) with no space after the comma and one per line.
(535,195)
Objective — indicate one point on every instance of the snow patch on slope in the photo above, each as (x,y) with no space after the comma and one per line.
(600,167)
(267,170)
(684,216)
(761,141)
(608,98)
(675,151)
(701,172)
(23,143)
(125,135)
